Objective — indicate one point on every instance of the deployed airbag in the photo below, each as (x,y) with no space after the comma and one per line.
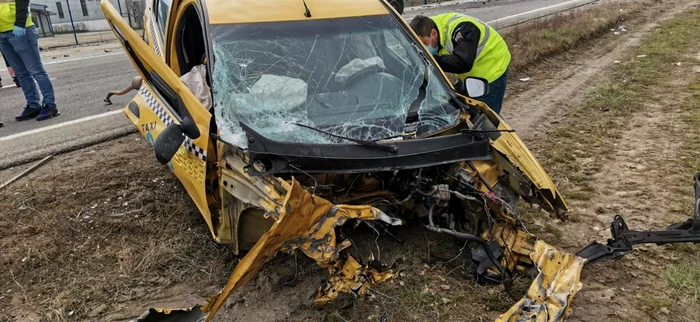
(357,65)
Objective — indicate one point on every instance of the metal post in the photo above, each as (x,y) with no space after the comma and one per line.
(41,23)
(128,11)
(119,5)
(48,16)
(70,15)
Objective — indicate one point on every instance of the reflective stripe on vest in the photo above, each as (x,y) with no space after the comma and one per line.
(448,43)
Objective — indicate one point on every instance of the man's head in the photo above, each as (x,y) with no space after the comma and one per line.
(426,29)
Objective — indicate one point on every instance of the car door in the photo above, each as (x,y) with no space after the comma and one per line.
(164,104)
(155,25)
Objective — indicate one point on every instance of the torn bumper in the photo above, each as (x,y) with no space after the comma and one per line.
(306,223)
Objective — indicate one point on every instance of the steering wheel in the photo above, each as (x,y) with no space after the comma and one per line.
(352,80)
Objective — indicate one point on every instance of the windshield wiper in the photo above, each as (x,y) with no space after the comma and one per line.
(385,147)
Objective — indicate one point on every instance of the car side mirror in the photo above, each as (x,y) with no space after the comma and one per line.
(171,138)
(474,87)
(168,142)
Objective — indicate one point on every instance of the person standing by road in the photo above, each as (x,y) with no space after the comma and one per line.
(19,45)
(466,46)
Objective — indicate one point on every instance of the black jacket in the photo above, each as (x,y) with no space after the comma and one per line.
(465,40)
(22,9)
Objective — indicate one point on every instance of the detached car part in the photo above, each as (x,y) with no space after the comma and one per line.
(623,238)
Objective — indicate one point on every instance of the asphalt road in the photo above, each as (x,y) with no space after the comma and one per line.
(82,82)
(79,85)
(486,10)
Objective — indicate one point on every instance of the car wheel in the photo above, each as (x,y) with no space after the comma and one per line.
(398,5)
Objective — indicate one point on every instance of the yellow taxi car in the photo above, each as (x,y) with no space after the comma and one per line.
(285,119)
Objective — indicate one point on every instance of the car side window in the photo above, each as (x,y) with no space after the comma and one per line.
(162,13)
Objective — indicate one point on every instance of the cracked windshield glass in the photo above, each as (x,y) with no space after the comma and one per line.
(355,77)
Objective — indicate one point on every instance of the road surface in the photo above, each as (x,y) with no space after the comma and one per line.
(82,82)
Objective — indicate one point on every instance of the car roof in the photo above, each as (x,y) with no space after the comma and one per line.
(252,11)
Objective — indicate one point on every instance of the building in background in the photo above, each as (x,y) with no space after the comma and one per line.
(87,14)
(42,19)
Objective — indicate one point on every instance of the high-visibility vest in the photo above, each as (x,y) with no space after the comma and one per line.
(492,54)
(8,13)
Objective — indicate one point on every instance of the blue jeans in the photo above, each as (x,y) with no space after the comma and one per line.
(23,55)
(497,89)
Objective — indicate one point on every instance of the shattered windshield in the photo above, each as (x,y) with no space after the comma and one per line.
(354,77)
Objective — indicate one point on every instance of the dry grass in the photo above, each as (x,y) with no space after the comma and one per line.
(684,275)
(532,42)
(592,129)
(79,234)
(574,151)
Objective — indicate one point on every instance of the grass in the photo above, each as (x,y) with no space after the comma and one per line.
(685,279)
(532,42)
(593,128)
(654,304)
(78,234)
(684,276)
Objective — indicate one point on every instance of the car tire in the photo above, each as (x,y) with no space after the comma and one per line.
(398,5)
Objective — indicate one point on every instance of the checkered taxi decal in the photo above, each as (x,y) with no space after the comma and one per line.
(157,108)
(156,47)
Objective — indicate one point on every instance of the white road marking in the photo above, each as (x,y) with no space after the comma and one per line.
(537,10)
(59,125)
(78,58)
(48,128)
(13,85)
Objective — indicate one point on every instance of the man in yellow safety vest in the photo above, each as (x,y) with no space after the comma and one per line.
(466,46)
(19,45)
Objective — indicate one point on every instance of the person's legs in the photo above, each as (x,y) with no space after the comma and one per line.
(36,67)
(27,48)
(31,95)
(497,89)
(6,65)
(10,70)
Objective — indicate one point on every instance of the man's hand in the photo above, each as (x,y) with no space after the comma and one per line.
(18,31)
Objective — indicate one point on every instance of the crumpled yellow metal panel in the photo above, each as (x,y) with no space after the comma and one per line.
(305,222)
(519,243)
(350,277)
(549,297)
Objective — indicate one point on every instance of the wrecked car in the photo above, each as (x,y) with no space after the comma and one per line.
(285,120)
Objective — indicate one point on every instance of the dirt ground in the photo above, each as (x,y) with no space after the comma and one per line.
(104,233)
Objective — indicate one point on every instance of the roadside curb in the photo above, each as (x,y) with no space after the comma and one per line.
(40,154)
(45,49)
